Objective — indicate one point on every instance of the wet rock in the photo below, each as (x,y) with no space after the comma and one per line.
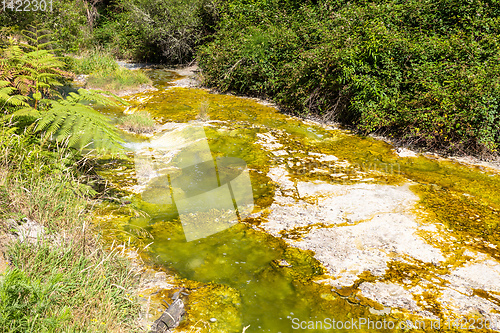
(281,263)
(134,65)
(389,294)
(188,78)
(268,141)
(404,152)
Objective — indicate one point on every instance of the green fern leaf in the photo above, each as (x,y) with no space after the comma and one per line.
(79,124)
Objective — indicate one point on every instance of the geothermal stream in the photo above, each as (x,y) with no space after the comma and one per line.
(260,220)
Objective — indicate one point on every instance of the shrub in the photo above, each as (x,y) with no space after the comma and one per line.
(67,20)
(422,71)
(156,30)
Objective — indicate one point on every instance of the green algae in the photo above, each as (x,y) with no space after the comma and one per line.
(162,79)
(239,265)
(214,301)
(473,222)
(367,154)
(238,282)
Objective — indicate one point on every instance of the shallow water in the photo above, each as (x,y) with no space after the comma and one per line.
(241,266)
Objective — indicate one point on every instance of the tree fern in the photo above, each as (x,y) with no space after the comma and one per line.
(38,71)
(29,76)
(38,38)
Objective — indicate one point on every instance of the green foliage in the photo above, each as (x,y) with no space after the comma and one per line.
(156,30)
(89,291)
(93,62)
(74,121)
(119,79)
(8,98)
(23,152)
(424,71)
(105,73)
(27,89)
(64,281)
(26,304)
(29,67)
(67,19)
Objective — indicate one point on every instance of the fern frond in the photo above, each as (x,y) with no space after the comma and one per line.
(5,92)
(114,101)
(79,124)
(96,96)
(8,99)
(25,112)
(77,134)
(45,121)
(57,122)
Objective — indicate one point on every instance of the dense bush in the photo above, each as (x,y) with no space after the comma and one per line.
(152,30)
(156,30)
(425,71)
(68,21)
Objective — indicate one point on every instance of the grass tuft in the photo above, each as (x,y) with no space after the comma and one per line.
(104,73)
(138,122)
(94,62)
(117,80)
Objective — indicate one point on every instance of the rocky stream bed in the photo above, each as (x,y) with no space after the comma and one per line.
(343,227)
